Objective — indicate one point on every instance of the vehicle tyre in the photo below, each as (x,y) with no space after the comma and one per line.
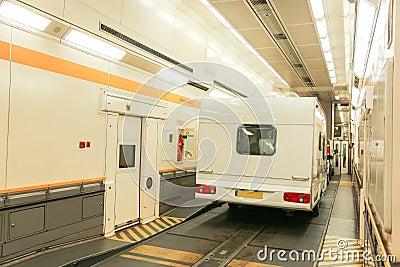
(233,205)
(315,211)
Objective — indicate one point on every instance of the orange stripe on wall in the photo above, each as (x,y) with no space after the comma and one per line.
(4,50)
(42,61)
(46,62)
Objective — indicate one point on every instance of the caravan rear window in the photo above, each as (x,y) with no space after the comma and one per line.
(256,140)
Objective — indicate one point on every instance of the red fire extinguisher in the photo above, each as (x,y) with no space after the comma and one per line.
(181,143)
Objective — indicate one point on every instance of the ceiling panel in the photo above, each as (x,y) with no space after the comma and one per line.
(310,51)
(238,14)
(298,22)
(315,64)
(258,38)
(322,82)
(293,12)
(271,54)
(291,78)
(281,65)
(320,74)
(303,34)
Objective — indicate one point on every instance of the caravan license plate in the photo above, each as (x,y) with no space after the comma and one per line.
(249,194)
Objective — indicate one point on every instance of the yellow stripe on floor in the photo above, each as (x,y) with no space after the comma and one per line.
(135,236)
(142,231)
(169,221)
(166,263)
(154,225)
(167,254)
(348,252)
(347,183)
(241,263)
(151,231)
(124,237)
(162,223)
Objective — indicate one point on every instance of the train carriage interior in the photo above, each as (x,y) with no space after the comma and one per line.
(239,133)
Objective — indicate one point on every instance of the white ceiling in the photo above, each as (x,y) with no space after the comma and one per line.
(298,22)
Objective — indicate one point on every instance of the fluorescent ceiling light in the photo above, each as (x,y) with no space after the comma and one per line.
(172,77)
(252,50)
(219,94)
(326,45)
(23,16)
(319,17)
(94,44)
(328,56)
(330,66)
(322,29)
(238,36)
(365,21)
(317,9)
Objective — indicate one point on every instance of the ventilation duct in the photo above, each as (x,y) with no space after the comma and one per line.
(131,41)
(198,86)
(229,89)
(268,17)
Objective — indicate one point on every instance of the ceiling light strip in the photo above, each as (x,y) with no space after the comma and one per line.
(23,16)
(86,41)
(319,16)
(241,39)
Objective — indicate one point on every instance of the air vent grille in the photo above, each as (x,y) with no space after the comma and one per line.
(133,42)
(267,15)
(233,91)
(198,86)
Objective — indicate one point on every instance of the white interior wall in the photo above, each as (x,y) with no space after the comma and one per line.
(5,36)
(396,133)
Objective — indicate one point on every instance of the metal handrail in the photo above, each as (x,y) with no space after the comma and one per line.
(375,229)
(359,180)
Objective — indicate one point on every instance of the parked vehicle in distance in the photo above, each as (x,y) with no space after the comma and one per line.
(275,158)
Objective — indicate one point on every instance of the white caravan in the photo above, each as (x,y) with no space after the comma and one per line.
(263,151)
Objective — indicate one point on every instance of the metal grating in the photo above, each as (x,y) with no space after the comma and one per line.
(269,18)
(133,42)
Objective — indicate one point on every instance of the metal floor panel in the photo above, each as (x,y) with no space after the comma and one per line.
(212,238)
(70,254)
(300,237)
(165,250)
(189,209)
(246,259)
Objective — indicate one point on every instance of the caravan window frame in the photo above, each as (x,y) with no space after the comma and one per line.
(259,126)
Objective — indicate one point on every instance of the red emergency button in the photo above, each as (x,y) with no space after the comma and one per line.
(82,145)
(88,144)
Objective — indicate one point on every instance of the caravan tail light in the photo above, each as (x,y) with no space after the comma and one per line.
(296,197)
(206,189)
